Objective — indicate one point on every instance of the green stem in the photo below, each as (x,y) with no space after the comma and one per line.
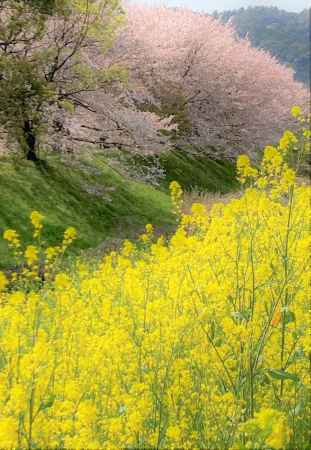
(283,336)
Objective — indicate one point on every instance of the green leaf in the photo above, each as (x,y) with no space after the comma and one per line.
(67,105)
(289,316)
(48,403)
(298,354)
(283,375)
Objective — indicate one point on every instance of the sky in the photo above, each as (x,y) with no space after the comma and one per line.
(220,5)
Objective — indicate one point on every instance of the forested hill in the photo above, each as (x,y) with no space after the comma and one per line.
(284,34)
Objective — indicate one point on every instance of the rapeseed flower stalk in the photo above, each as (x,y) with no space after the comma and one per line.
(35,263)
(147,235)
(296,111)
(176,197)
(202,341)
(31,254)
(3,281)
(69,236)
(280,164)
(36,219)
(14,243)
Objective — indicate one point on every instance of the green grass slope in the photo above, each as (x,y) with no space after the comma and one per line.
(105,205)
(199,172)
(193,172)
(86,194)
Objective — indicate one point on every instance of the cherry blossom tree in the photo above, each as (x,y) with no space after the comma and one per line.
(110,122)
(224,95)
(46,49)
(191,83)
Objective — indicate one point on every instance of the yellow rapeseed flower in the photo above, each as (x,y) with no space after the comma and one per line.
(12,237)
(149,228)
(62,281)
(31,254)
(36,219)
(3,281)
(176,196)
(296,111)
(201,340)
(70,234)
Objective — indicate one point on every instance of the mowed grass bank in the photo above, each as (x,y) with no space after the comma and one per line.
(84,193)
(104,204)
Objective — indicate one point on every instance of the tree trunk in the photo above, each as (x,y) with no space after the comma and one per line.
(30,141)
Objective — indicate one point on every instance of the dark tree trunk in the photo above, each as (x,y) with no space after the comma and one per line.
(32,156)
(30,141)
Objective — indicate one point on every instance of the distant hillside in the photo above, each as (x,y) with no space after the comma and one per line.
(284,34)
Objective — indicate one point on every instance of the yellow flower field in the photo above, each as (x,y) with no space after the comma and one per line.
(201,342)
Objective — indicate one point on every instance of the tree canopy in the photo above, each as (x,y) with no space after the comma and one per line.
(190,82)
(224,95)
(44,60)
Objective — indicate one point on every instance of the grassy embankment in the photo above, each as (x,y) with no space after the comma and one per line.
(101,203)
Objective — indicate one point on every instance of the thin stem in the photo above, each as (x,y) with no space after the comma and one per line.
(283,336)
